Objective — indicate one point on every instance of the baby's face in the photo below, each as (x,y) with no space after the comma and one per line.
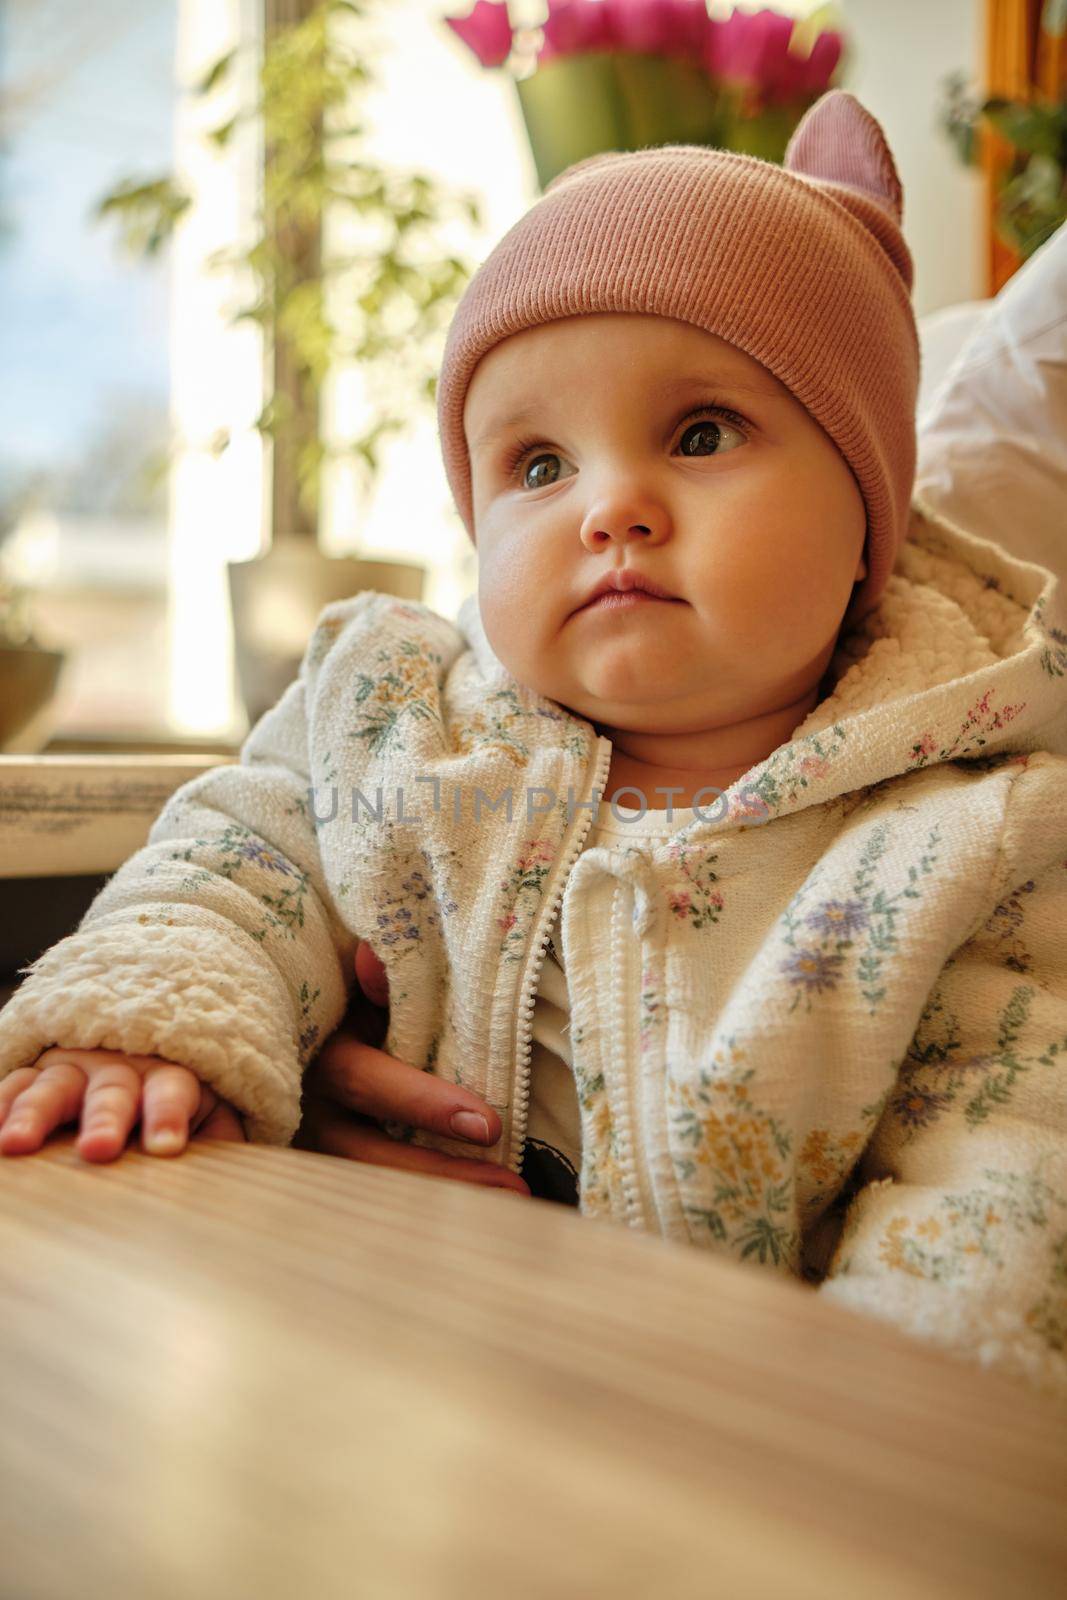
(755,527)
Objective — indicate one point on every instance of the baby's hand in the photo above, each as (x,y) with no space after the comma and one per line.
(107,1091)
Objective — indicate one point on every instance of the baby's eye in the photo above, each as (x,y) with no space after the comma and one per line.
(536,465)
(521,457)
(705,437)
(701,437)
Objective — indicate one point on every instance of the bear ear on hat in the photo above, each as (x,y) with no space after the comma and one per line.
(838,141)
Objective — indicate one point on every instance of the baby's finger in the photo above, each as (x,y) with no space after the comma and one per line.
(12,1087)
(112,1103)
(217,1119)
(50,1100)
(171,1099)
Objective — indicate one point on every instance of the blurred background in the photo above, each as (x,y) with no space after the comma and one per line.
(232,233)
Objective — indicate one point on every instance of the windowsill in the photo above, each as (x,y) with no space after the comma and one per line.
(154,743)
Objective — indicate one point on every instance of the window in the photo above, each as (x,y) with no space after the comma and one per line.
(84,351)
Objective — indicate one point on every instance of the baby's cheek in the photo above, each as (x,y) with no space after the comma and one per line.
(520,642)
(510,596)
(506,627)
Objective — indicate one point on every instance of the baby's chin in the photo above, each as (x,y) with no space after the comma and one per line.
(652,711)
(612,691)
(614,680)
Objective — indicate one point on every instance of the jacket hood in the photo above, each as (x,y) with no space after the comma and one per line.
(963,657)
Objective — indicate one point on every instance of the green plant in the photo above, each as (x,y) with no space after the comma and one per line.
(1032,197)
(384,305)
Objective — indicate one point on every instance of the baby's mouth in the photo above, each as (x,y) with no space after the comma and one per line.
(626,600)
(624,587)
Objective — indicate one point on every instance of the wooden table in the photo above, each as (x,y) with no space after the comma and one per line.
(259,1372)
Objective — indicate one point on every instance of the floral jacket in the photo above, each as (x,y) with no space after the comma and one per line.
(823,1030)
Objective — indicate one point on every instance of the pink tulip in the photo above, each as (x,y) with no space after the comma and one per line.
(487,31)
(747,49)
(574,28)
(652,27)
(751,49)
(742,47)
(658,27)
(819,68)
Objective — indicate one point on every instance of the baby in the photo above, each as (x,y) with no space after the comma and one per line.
(798,994)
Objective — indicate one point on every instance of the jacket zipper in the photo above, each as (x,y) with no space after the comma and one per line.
(640,1205)
(520,1093)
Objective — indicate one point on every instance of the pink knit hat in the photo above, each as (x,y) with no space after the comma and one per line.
(802,266)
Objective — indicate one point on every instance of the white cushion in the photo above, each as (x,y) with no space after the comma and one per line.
(992,424)
(942,335)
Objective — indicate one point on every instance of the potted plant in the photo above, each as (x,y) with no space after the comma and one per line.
(384,305)
(626,74)
(1031,201)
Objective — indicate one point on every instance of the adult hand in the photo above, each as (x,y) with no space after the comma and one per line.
(352,1087)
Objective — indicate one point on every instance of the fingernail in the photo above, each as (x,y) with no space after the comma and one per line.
(163,1141)
(469,1125)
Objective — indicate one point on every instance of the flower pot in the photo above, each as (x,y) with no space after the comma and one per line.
(29,676)
(581,105)
(276,599)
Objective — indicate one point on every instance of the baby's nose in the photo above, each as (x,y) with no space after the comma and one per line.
(622,522)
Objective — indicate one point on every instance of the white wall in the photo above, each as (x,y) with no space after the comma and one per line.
(902,49)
